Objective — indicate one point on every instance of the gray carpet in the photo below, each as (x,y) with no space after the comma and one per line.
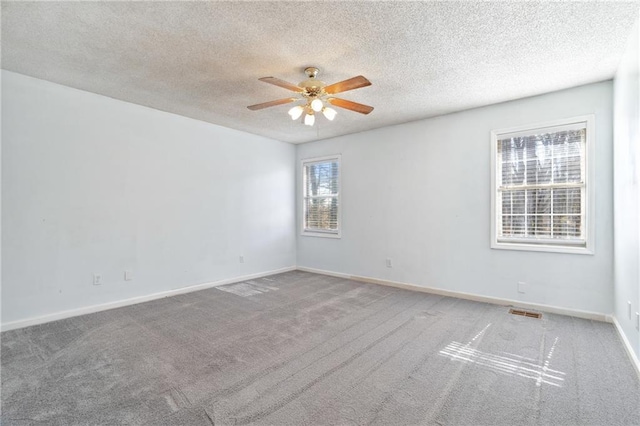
(305,349)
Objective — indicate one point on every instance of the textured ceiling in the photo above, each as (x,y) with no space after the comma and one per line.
(203,59)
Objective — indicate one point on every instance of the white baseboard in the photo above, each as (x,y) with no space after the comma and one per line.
(133,301)
(627,345)
(461,295)
(469,296)
(323,272)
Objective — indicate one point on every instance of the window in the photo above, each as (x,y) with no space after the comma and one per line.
(321,186)
(542,196)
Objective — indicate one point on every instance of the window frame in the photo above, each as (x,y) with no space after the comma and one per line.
(589,187)
(311,232)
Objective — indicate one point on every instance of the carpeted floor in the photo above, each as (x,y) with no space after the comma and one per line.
(305,349)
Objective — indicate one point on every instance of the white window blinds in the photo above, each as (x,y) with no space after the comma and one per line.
(541,183)
(321,179)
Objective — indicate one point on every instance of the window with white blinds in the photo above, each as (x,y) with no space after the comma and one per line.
(541,187)
(321,197)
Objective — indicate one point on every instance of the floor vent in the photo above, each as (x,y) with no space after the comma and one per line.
(525,313)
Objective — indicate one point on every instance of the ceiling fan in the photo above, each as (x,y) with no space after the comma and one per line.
(315,93)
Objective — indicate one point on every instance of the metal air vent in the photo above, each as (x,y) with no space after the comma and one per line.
(525,313)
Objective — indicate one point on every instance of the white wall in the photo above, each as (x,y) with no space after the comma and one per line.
(627,189)
(419,193)
(95,185)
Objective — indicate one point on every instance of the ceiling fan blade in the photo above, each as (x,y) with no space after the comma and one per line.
(281,83)
(271,103)
(350,84)
(353,106)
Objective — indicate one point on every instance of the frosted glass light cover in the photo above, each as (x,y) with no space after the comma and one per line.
(309,119)
(296,112)
(316,105)
(330,113)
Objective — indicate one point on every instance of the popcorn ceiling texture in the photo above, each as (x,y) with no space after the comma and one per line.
(203,60)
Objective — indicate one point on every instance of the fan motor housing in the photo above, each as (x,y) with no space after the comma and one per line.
(312,88)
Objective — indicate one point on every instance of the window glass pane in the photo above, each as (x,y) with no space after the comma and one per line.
(539,225)
(573,169)
(506,202)
(512,149)
(321,195)
(560,205)
(321,178)
(518,226)
(530,146)
(566,226)
(560,170)
(574,201)
(518,202)
(566,201)
(548,168)
(321,213)
(539,160)
(568,143)
(506,226)
(513,173)
(507,177)
(538,201)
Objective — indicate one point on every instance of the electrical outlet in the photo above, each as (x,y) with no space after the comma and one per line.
(241,259)
(522,287)
(97,279)
(128,275)
(629,309)
(389,263)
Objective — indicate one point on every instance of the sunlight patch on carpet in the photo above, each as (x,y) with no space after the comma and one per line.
(509,364)
(248,288)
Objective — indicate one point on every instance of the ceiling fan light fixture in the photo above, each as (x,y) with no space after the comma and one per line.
(296,112)
(309,119)
(329,113)
(316,105)
(315,94)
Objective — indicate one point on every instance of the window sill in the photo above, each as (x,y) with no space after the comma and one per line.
(320,234)
(541,247)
